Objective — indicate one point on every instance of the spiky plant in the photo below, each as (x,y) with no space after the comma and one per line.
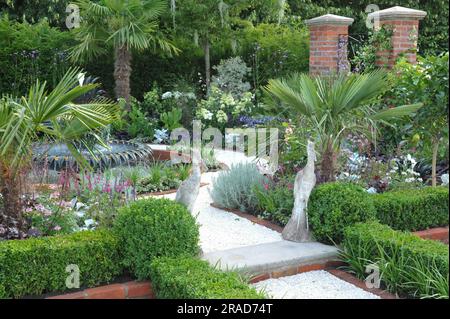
(44,115)
(120,26)
(334,106)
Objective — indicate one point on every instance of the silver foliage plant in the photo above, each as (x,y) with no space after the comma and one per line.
(231,76)
(234,188)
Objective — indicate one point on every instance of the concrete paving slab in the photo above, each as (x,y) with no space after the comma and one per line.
(274,256)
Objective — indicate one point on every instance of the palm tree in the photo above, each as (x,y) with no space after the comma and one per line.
(51,116)
(334,106)
(120,25)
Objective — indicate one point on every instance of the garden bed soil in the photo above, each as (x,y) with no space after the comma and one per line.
(170,191)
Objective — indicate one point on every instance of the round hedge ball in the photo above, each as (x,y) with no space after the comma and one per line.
(152,228)
(334,206)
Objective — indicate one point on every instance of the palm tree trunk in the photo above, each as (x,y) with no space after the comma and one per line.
(206,49)
(122,73)
(11,211)
(434,162)
(328,164)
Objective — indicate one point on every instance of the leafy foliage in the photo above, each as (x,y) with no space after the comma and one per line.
(191,278)
(29,52)
(36,266)
(334,206)
(231,76)
(234,188)
(413,209)
(151,228)
(407,263)
(335,106)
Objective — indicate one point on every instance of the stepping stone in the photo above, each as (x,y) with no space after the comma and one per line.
(275,256)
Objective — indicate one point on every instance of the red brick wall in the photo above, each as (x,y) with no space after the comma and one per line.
(324,40)
(403,41)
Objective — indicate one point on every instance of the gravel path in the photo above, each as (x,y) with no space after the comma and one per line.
(312,285)
(220,230)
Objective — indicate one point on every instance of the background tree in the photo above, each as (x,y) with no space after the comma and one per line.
(215,21)
(122,26)
(335,106)
(427,83)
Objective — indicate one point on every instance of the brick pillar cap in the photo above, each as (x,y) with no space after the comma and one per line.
(329,19)
(398,13)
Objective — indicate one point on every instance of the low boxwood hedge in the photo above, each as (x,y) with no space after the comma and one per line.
(191,278)
(37,266)
(413,210)
(152,228)
(407,263)
(334,206)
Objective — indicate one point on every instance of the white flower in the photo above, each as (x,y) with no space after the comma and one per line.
(161,135)
(166,95)
(80,214)
(444,179)
(89,222)
(372,190)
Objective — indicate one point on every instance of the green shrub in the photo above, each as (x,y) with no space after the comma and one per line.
(334,206)
(37,266)
(234,189)
(408,264)
(151,228)
(29,52)
(413,210)
(191,278)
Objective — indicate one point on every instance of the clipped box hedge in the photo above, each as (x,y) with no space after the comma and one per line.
(191,278)
(334,206)
(413,210)
(408,264)
(154,227)
(37,266)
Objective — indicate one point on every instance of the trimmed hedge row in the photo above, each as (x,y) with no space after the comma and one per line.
(334,206)
(191,278)
(413,210)
(37,266)
(152,228)
(407,263)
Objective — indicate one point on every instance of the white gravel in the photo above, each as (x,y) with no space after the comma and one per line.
(312,285)
(220,230)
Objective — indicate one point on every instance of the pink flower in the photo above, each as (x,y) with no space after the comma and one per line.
(57,228)
(290,186)
(266,187)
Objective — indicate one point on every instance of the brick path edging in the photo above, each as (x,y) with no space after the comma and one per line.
(440,233)
(127,290)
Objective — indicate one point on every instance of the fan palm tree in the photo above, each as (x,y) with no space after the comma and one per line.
(334,106)
(51,116)
(121,26)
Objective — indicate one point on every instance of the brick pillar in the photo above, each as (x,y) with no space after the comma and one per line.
(328,44)
(404,24)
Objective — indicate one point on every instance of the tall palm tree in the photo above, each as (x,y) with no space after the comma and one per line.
(42,115)
(334,106)
(121,26)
